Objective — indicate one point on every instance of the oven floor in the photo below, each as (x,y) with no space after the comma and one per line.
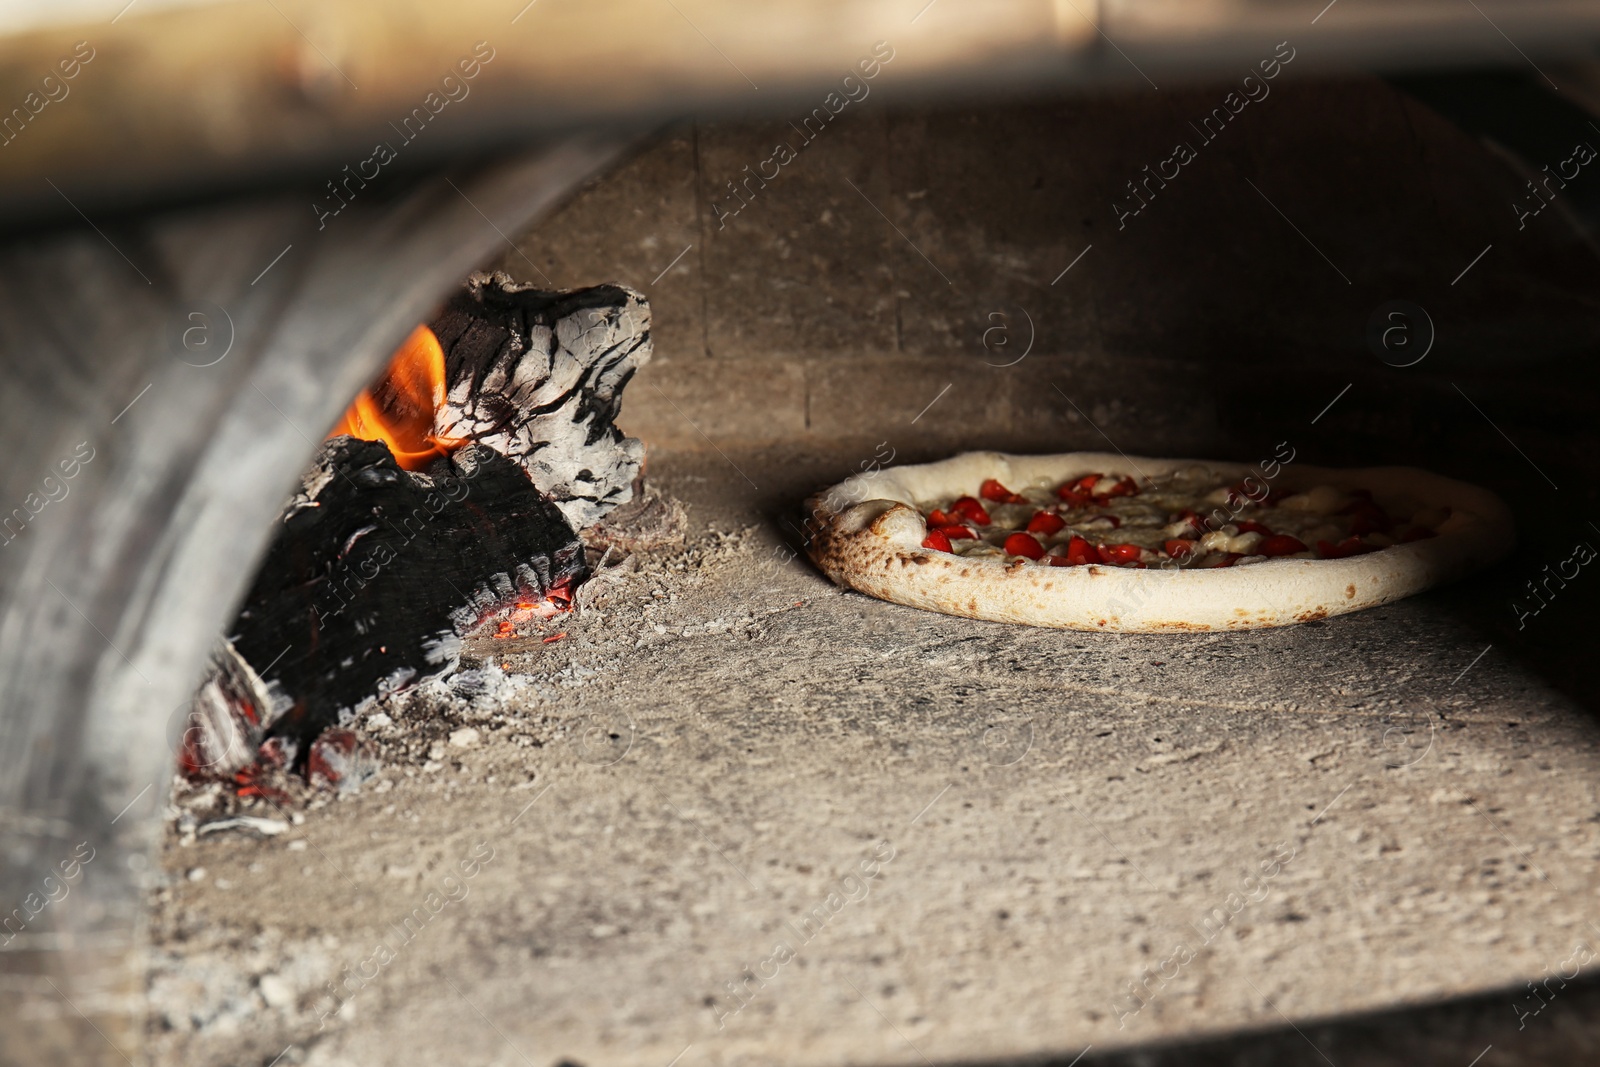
(1259,827)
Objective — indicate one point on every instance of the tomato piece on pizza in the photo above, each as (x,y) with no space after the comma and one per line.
(1047,523)
(991,489)
(1350,546)
(1025,545)
(1070,496)
(1280,545)
(1121,487)
(1081,553)
(971,510)
(1124,553)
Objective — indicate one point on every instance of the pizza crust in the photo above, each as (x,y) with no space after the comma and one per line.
(867,533)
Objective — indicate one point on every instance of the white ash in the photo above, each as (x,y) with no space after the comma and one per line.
(263,982)
(538,377)
(248,823)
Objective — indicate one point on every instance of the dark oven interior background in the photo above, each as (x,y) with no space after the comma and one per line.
(1245,305)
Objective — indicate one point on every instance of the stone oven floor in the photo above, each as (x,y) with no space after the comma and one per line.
(1266,830)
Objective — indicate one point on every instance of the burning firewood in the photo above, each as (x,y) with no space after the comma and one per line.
(538,377)
(450,492)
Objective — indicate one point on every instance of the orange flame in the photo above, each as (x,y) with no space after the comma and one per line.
(399,409)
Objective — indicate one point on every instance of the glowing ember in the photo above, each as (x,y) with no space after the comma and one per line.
(553,603)
(399,409)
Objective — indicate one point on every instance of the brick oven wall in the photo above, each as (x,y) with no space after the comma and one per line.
(909,249)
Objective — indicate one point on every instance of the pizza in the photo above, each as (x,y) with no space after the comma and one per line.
(1096,541)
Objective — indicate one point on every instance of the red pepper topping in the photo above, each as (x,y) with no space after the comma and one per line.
(1192,517)
(1059,561)
(971,510)
(1080,552)
(991,489)
(937,518)
(1047,523)
(1249,526)
(1280,545)
(937,541)
(1230,558)
(1178,547)
(1021,544)
(957,532)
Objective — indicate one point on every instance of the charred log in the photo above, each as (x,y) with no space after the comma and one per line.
(538,377)
(222,731)
(377,574)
